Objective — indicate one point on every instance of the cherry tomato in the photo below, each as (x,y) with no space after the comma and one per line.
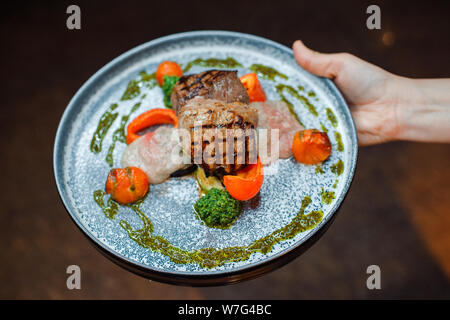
(168,68)
(127,185)
(311,146)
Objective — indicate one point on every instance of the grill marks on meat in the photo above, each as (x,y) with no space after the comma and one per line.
(216,113)
(218,150)
(207,104)
(212,84)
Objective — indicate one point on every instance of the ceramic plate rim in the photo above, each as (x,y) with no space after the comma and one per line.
(59,147)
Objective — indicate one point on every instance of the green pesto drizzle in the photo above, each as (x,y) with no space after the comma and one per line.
(132,91)
(327,196)
(335,183)
(332,117)
(110,209)
(212,257)
(301,88)
(134,86)
(106,120)
(213,63)
(281,87)
(324,129)
(340,145)
(119,134)
(148,80)
(319,169)
(267,72)
(338,167)
(311,94)
(290,107)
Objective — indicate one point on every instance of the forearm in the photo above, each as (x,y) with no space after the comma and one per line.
(424,110)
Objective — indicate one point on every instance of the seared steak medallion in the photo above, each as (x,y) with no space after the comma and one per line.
(212,84)
(218,150)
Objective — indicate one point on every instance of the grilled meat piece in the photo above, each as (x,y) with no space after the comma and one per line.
(218,150)
(212,84)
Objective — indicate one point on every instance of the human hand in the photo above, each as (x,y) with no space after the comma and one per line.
(371,92)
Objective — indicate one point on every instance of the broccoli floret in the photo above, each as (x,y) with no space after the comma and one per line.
(217,208)
(167,88)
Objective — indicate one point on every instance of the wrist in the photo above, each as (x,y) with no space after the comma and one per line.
(423,110)
(405,95)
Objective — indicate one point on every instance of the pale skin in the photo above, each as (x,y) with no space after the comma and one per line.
(385,107)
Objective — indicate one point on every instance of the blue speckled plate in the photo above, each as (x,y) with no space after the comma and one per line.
(79,172)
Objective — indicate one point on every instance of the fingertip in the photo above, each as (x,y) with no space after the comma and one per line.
(301,54)
(298,46)
(313,61)
(297,43)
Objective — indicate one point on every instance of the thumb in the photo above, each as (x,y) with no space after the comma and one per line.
(320,64)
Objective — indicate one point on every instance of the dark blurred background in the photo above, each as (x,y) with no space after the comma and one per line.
(397,213)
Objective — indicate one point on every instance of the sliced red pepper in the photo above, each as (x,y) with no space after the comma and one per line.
(254,88)
(247,183)
(150,118)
